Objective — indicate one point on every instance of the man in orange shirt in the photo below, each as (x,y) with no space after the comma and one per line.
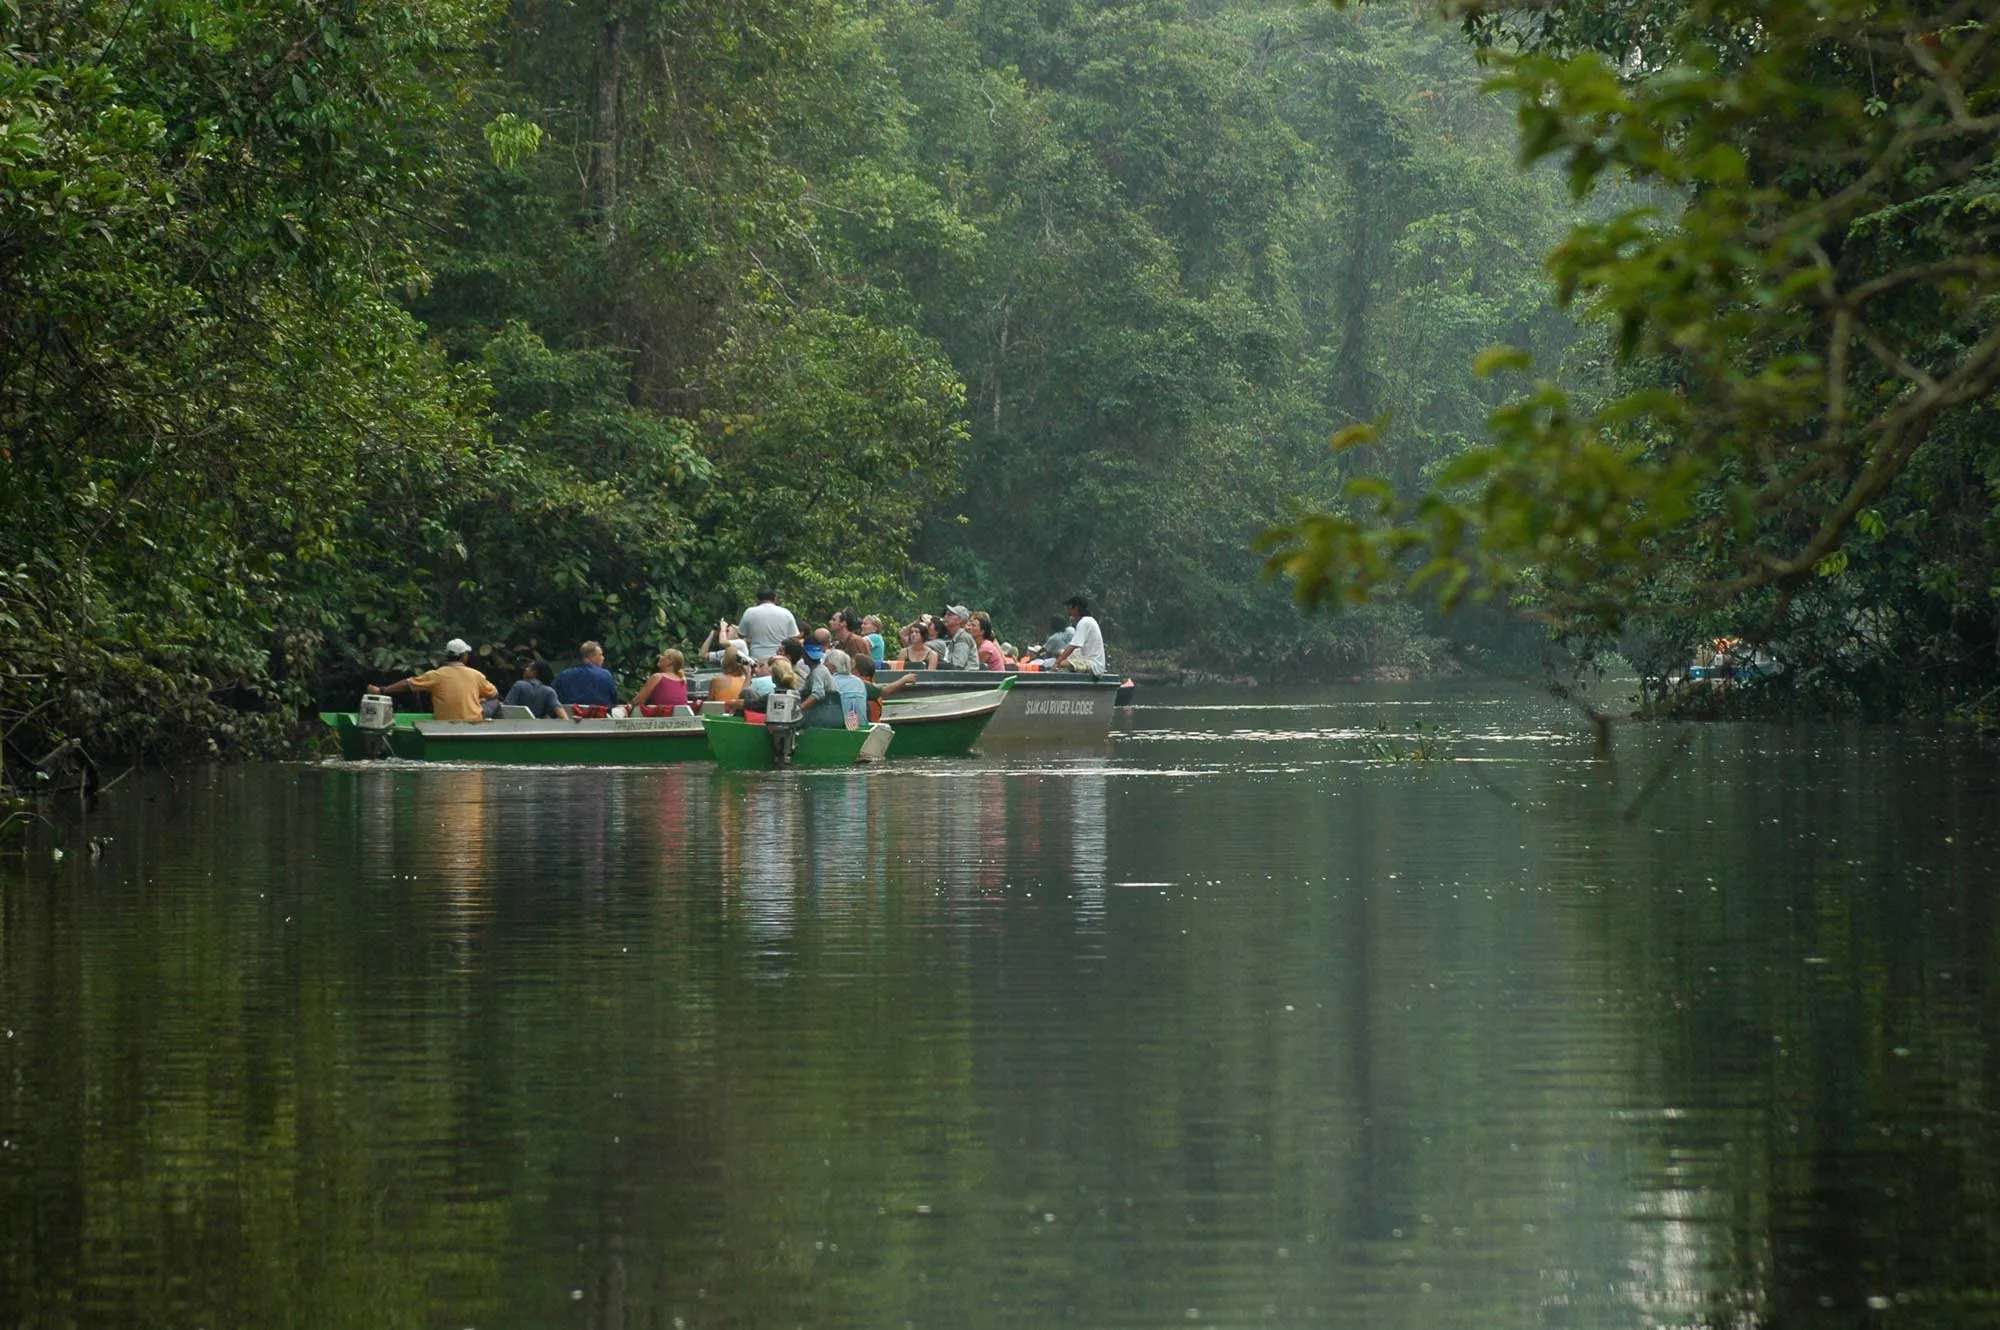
(456,688)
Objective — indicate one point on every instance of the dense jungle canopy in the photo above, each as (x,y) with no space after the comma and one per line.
(331,329)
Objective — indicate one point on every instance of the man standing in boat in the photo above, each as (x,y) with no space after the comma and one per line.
(1085,652)
(456,688)
(766,625)
(962,653)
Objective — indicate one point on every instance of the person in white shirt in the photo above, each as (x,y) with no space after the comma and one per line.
(1085,652)
(766,625)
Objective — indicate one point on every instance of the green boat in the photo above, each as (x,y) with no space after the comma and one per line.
(402,741)
(946,725)
(635,741)
(738,745)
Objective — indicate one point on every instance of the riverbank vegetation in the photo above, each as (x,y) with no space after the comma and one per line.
(1793,436)
(332,330)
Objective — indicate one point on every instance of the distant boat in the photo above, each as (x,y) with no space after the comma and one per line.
(1759,666)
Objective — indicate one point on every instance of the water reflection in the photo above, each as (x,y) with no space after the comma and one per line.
(1231,1026)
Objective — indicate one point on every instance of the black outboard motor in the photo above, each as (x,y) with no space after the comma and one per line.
(782,720)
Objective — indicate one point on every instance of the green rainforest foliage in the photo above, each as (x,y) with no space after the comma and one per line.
(330,330)
(1794,262)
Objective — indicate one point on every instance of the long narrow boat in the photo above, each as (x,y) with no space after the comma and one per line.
(944,724)
(738,745)
(636,741)
(1041,708)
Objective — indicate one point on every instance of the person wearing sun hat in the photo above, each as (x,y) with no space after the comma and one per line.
(456,689)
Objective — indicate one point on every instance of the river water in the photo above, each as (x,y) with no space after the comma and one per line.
(1245,1019)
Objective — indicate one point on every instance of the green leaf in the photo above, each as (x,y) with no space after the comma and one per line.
(1496,358)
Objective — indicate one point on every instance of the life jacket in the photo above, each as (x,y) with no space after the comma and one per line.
(587,711)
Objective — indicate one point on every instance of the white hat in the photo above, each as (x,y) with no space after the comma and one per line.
(458,646)
(958,610)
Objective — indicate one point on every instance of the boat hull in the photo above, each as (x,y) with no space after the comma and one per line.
(737,745)
(637,741)
(634,741)
(1046,708)
(947,726)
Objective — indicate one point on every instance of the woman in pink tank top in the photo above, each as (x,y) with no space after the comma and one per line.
(665,689)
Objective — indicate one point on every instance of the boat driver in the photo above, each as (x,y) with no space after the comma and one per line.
(455,688)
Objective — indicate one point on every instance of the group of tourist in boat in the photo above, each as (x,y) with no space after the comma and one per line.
(831,670)
(961,639)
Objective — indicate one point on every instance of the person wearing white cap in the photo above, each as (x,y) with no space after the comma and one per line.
(456,689)
(963,652)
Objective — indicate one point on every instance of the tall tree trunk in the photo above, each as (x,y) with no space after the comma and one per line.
(604,130)
(998,361)
(1353,382)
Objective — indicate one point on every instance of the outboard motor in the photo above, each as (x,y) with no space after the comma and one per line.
(782,719)
(377,717)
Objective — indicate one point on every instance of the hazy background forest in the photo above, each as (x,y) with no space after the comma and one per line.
(331,330)
(339,330)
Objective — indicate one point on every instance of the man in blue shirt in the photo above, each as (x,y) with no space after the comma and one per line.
(588,684)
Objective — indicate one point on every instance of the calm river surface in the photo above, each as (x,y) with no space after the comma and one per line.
(1230,1023)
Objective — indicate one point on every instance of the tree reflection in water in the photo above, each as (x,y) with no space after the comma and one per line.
(1221,1022)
